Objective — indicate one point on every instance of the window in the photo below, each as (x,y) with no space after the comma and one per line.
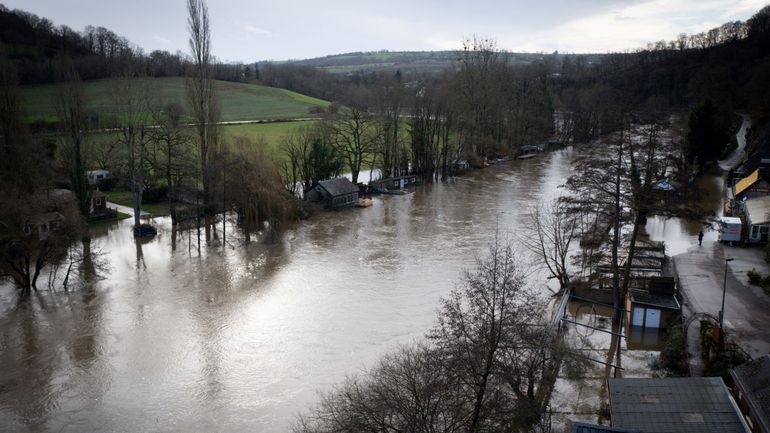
(27,229)
(98,201)
(755,232)
(43,228)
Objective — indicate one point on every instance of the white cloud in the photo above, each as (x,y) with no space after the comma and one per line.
(257,31)
(633,26)
(161,40)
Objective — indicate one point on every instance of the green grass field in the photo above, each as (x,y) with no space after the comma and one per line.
(124,198)
(239,101)
(270,133)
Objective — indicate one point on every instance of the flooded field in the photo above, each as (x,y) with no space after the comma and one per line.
(243,338)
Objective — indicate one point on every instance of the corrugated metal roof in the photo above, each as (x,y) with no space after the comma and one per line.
(758,210)
(746,182)
(580,427)
(673,405)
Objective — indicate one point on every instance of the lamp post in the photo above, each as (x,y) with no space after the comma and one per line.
(722,311)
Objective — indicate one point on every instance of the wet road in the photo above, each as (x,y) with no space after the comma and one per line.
(243,338)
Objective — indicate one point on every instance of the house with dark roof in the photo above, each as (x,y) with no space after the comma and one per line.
(758,161)
(751,388)
(334,193)
(674,405)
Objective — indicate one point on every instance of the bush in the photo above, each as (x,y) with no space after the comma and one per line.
(706,339)
(755,277)
(154,195)
(673,357)
(721,363)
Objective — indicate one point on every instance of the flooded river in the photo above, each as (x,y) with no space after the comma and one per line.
(243,338)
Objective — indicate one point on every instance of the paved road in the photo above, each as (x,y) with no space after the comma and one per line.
(126,209)
(739,154)
(747,307)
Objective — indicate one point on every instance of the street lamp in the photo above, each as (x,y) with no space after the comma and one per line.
(722,311)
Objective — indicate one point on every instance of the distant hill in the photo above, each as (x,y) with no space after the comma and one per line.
(409,61)
(239,101)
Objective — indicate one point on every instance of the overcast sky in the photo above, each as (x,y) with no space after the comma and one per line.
(249,30)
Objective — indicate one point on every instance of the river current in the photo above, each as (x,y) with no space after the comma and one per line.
(244,338)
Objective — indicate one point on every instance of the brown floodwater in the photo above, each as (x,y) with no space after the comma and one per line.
(244,338)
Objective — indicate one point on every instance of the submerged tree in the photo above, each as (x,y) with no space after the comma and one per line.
(135,133)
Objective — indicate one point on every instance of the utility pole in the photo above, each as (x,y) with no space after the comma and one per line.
(722,310)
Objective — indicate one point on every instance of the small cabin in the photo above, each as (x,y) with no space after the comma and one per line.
(98,202)
(334,193)
(654,306)
(98,209)
(43,224)
(394,183)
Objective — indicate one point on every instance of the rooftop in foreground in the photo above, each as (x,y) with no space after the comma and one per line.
(673,405)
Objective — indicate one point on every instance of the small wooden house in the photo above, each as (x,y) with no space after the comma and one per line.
(394,183)
(98,209)
(334,193)
(654,306)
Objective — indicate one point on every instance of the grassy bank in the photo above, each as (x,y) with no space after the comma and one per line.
(239,101)
(124,198)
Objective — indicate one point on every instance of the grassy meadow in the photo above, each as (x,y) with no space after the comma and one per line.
(239,101)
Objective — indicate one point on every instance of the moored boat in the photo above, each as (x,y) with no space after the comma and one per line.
(364,202)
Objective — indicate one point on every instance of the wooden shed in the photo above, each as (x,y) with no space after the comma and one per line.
(334,193)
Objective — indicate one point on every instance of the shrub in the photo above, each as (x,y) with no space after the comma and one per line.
(674,356)
(706,339)
(754,277)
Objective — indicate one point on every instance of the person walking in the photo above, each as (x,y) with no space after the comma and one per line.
(700,238)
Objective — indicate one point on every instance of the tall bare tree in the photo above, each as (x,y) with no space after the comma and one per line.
(549,235)
(135,95)
(170,154)
(201,93)
(71,108)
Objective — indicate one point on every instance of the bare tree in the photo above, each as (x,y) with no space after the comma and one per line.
(549,235)
(136,100)
(354,138)
(201,93)
(71,108)
(479,370)
(170,154)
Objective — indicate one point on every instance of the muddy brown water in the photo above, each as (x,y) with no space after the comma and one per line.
(244,338)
